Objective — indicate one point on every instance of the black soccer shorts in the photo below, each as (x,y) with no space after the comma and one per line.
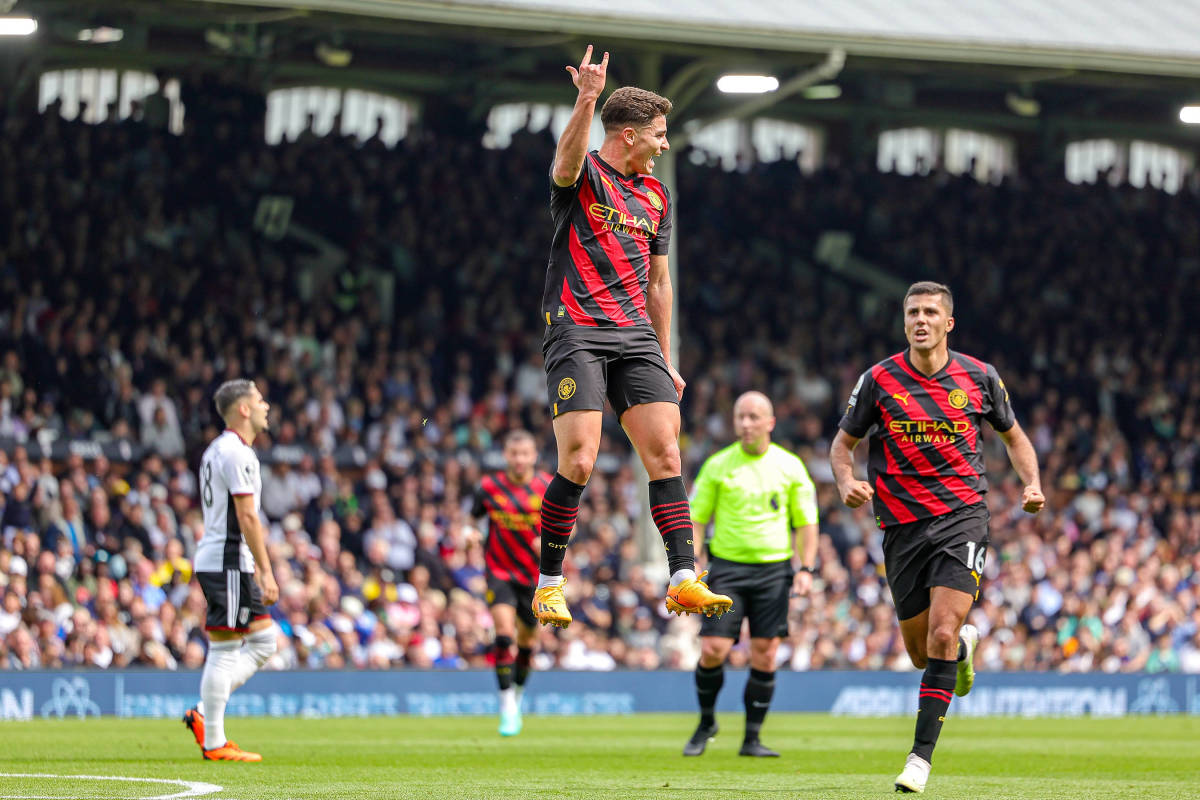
(759,593)
(234,600)
(512,593)
(948,550)
(584,365)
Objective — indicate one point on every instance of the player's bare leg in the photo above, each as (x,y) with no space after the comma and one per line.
(653,428)
(937,651)
(577,435)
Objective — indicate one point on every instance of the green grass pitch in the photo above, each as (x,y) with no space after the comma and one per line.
(605,758)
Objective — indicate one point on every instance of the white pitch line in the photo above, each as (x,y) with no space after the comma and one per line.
(191,788)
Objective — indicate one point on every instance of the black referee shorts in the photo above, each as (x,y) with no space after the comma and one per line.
(584,365)
(759,593)
(948,550)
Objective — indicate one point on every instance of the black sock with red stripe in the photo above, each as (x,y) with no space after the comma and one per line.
(504,662)
(524,662)
(673,516)
(560,507)
(937,687)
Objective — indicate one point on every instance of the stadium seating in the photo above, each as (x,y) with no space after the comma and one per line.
(137,272)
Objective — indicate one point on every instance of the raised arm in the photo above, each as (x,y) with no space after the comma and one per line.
(572,145)
(1024,461)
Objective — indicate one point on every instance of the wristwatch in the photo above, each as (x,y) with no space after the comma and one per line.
(809,570)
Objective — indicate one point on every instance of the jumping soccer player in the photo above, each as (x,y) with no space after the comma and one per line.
(607,309)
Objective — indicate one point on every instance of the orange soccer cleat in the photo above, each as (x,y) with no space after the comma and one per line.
(194,721)
(230,752)
(693,597)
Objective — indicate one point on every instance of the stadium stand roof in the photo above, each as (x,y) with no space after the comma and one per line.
(1121,35)
(1086,68)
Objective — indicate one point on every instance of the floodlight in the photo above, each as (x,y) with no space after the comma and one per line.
(747,84)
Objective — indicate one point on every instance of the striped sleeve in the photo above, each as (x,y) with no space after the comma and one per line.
(660,245)
(861,411)
(999,413)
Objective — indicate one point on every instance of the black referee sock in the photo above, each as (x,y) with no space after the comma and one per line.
(708,685)
(937,687)
(673,516)
(524,660)
(760,688)
(560,508)
(504,662)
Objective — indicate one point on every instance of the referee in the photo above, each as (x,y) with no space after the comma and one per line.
(758,495)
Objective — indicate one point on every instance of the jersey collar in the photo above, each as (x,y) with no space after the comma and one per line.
(922,375)
(613,171)
(235,433)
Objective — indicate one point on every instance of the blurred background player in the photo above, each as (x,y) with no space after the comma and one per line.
(607,307)
(923,410)
(510,500)
(764,546)
(231,555)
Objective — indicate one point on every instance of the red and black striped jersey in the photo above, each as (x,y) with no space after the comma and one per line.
(925,457)
(606,227)
(514,512)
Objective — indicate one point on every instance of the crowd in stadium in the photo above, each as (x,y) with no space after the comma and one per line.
(136,273)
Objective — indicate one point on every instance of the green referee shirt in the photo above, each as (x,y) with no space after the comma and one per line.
(757,502)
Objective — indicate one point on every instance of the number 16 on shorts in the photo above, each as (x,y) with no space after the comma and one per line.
(976,558)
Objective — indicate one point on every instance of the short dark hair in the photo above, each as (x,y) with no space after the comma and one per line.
(517,435)
(932,287)
(229,392)
(630,105)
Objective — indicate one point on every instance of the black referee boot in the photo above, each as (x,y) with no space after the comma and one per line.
(753,747)
(700,739)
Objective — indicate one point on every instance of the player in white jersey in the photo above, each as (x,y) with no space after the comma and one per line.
(230,556)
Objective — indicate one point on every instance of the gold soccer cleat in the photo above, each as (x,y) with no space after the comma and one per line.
(550,606)
(693,597)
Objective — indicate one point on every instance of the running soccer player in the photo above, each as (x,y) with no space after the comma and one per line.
(511,501)
(923,409)
(764,546)
(231,555)
(607,309)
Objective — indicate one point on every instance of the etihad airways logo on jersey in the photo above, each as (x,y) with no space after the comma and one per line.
(928,431)
(617,220)
(513,520)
